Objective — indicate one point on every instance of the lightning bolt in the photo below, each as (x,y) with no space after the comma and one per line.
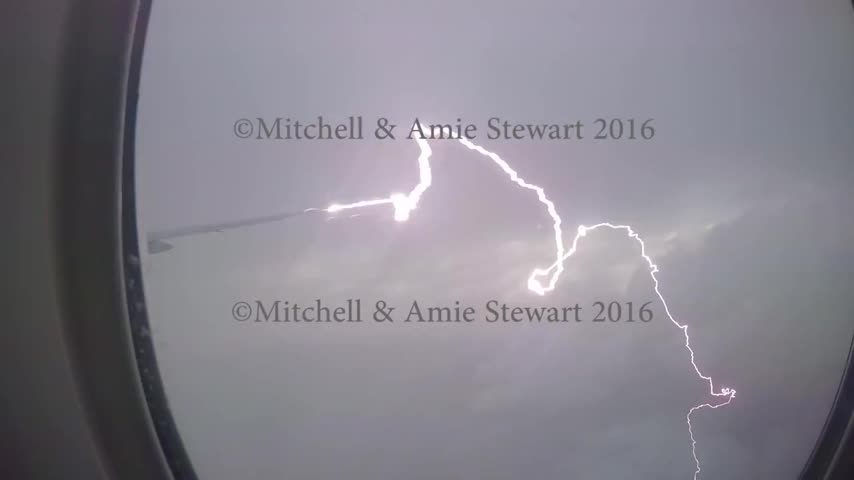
(404,204)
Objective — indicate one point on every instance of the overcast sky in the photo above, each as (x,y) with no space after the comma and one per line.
(743,197)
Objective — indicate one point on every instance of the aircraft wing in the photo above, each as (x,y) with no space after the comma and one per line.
(157,240)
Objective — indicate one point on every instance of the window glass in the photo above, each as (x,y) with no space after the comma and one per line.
(637,258)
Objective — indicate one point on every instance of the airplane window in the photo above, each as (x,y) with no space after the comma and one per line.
(547,240)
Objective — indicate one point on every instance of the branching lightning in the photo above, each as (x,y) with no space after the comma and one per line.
(404,204)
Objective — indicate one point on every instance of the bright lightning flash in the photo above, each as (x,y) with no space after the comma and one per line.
(404,204)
